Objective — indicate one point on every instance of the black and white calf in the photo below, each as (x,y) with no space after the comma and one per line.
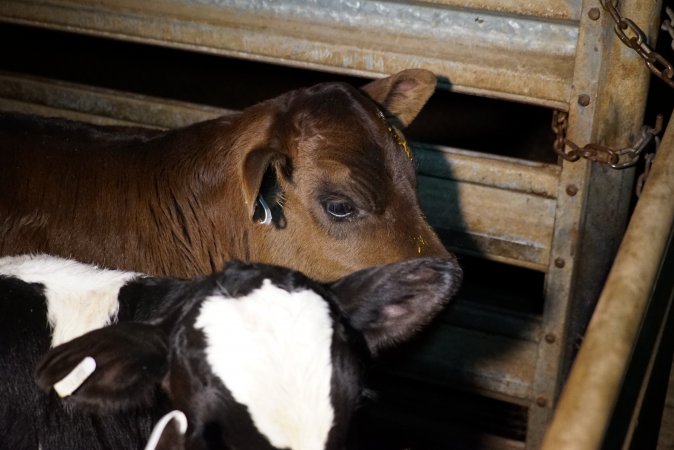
(257,357)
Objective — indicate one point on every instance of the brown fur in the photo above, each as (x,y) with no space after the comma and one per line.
(181,202)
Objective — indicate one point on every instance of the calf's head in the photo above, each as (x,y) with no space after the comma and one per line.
(335,179)
(258,357)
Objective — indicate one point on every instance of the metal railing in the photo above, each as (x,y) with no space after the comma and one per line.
(598,377)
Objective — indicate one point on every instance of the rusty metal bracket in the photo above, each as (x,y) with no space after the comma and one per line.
(634,37)
(618,159)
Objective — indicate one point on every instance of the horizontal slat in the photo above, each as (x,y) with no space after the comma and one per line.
(475,316)
(490,222)
(510,57)
(497,208)
(32,95)
(10,105)
(488,170)
(487,363)
(554,9)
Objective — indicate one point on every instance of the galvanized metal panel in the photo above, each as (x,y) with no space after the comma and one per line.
(62,99)
(495,207)
(494,223)
(489,170)
(511,57)
(553,9)
(489,364)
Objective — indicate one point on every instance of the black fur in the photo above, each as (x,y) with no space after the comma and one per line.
(28,415)
(153,359)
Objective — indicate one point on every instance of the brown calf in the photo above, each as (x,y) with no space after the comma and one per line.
(338,181)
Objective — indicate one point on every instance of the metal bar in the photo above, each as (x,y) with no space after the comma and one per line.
(592,389)
(486,363)
(513,57)
(490,222)
(593,202)
(636,417)
(74,100)
(489,170)
(551,9)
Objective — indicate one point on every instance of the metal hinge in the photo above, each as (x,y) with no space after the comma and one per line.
(618,159)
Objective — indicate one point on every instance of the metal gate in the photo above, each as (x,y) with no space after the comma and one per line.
(564,220)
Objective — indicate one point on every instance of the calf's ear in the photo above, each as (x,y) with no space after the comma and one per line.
(130,358)
(403,94)
(256,162)
(390,303)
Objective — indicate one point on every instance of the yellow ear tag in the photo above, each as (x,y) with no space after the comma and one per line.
(401,141)
(397,136)
(421,243)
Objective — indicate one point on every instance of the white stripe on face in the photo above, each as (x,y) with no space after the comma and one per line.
(271,349)
(80,297)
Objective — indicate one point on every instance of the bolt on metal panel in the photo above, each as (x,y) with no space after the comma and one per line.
(592,390)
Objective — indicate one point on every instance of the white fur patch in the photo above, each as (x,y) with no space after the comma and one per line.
(80,297)
(271,349)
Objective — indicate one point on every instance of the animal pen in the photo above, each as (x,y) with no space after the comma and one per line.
(536,211)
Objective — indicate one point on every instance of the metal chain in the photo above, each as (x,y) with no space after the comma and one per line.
(648,163)
(632,36)
(668,24)
(618,159)
(635,38)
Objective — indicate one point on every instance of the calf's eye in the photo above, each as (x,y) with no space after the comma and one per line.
(339,209)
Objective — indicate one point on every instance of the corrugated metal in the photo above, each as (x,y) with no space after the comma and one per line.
(554,9)
(96,105)
(517,228)
(507,56)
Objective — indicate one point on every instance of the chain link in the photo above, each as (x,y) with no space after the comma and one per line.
(618,159)
(668,24)
(648,164)
(632,36)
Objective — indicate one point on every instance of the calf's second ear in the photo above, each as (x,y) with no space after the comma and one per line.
(390,303)
(403,94)
(130,361)
(256,163)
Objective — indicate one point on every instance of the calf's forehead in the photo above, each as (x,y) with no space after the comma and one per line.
(341,124)
(272,350)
